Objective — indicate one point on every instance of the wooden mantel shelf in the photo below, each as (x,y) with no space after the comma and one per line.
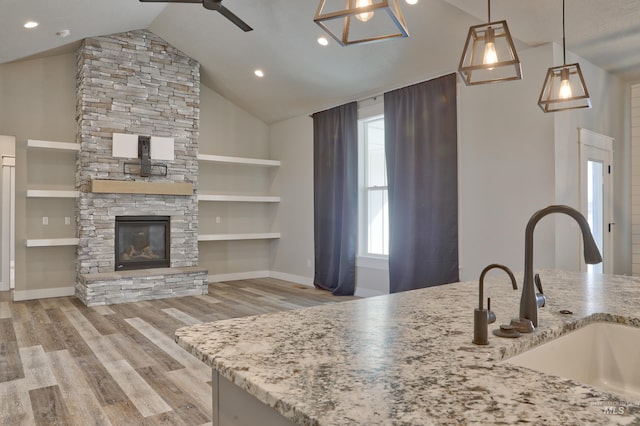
(134,187)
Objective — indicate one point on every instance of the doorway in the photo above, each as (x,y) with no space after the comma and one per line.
(596,194)
(7,202)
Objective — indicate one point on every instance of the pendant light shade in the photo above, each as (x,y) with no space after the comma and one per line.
(564,87)
(361,21)
(489,55)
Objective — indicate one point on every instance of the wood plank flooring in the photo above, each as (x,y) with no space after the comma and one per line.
(62,363)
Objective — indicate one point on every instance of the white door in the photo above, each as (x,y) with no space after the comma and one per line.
(596,193)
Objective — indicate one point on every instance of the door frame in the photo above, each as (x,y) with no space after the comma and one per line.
(596,146)
(8,194)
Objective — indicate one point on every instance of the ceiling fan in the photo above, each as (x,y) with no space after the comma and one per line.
(211,5)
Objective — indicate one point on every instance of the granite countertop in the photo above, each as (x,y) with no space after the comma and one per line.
(407,358)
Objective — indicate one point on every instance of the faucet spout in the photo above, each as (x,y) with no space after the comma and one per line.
(506,269)
(483,317)
(528,301)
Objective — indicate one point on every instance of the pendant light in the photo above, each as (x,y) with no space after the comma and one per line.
(564,87)
(489,55)
(375,20)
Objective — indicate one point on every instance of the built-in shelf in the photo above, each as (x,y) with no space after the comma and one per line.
(51,193)
(63,146)
(238,160)
(53,242)
(235,237)
(239,198)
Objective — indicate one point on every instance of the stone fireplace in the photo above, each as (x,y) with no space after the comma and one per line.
(135,83)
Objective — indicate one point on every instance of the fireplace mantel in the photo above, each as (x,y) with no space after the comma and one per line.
(136,187)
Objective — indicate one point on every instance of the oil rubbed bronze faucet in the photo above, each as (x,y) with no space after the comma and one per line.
(483,317)
(529,301)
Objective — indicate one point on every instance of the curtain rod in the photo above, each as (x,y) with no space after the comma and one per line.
(407,85)
(396,88)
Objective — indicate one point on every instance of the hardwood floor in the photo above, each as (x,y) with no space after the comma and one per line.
(62,363)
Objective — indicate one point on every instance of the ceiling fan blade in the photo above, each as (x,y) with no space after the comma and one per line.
(211,5)
(217,5)
(234,18)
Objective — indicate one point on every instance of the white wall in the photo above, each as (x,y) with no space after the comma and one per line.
(292,144)
(513,161)
(7,145)
(506,174)
(607,116)
(516,164)
(506,169)
(37,101)
(226,129)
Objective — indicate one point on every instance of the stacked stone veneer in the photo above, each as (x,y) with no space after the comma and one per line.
(135,83)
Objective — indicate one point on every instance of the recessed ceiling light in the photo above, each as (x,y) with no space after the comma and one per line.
(31,24)
(259,73)
(411,1)
(322,41)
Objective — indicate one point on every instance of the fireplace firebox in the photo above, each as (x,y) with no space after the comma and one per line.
(142,242)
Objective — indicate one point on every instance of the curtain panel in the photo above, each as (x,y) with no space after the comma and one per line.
(422,169)
(335,162)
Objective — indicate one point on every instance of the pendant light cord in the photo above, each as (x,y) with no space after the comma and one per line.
(489,9)
(564,45)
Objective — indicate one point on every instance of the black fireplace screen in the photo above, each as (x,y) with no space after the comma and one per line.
(142,242)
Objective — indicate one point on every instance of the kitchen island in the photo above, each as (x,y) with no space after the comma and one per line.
(408,359)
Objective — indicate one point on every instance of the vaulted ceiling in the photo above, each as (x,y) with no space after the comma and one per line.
(301,76)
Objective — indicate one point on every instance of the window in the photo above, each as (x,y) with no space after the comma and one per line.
(374,208)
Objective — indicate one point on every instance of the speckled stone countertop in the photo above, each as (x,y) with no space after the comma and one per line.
(407,358)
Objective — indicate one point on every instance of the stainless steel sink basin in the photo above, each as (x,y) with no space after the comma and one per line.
(602,354)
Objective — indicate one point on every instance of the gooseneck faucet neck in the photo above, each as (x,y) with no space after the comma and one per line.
(506,269)
(528,301)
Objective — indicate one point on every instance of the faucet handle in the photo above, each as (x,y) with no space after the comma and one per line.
(491,316)
(541,300)
(538,283)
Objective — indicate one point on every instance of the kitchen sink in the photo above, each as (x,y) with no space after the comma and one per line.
(602,354)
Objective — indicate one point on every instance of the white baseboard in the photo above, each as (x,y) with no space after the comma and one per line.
(378,263)
(298,279)
(44,293)
(368,292)
(238,276)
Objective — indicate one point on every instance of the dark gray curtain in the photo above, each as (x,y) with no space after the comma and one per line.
(422,168)
(335,169)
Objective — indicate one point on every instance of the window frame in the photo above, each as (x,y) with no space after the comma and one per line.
(371,112)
